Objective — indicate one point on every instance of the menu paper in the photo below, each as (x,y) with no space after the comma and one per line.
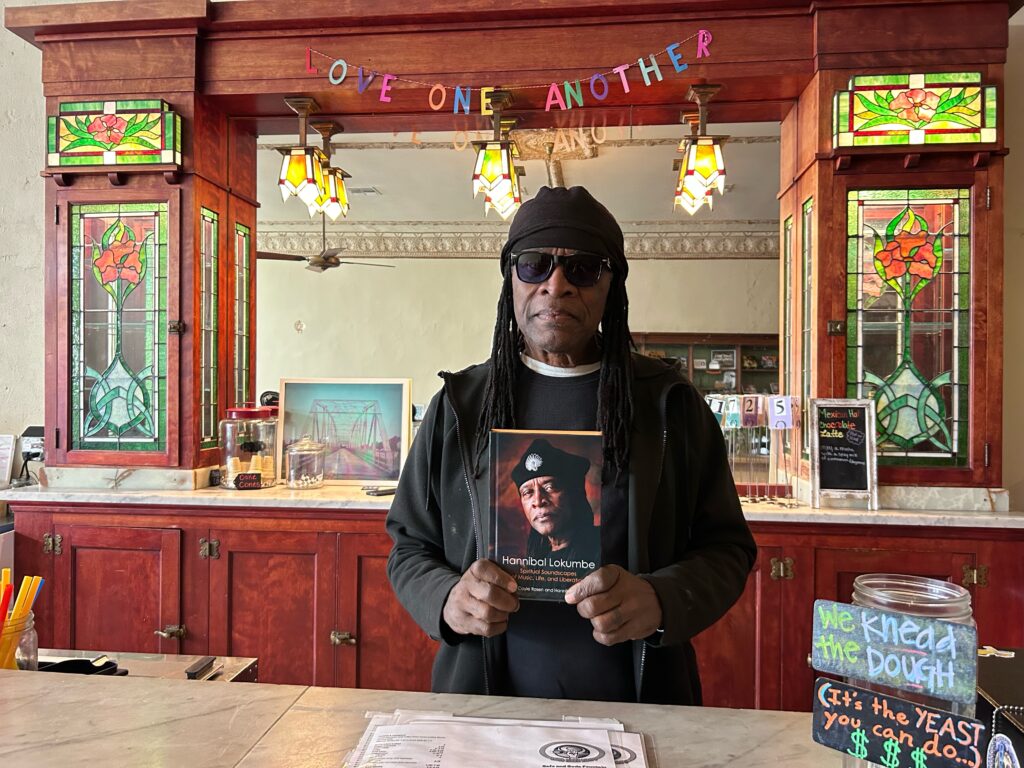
(450,744)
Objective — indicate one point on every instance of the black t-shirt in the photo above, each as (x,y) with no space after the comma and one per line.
(551,650)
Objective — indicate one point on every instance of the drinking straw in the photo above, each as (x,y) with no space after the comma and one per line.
(5,600)
(35,594)
(10,645)
(5,578)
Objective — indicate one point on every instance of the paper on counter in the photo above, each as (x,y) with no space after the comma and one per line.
(413,716)
(447,744)
(628,749)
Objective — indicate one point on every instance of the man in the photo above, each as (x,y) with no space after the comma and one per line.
(552,491)
(675,548)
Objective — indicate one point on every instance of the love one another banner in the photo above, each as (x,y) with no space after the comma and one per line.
(565,95)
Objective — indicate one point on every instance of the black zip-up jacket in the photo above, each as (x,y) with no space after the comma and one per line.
(687,534)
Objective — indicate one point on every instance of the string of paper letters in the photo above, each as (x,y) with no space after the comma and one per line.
(564,96)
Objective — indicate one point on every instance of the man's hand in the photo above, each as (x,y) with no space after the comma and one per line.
(620,606)
(482,600)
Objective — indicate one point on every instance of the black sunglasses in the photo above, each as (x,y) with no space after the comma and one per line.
(581,269)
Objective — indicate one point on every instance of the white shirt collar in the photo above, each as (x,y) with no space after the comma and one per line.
(553,370)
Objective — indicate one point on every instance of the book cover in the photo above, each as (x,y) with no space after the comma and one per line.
(545,508)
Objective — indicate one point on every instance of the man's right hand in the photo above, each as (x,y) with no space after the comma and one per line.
(482,600)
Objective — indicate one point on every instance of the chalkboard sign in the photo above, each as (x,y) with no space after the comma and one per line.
(892,732)
(843,451)
(910,653)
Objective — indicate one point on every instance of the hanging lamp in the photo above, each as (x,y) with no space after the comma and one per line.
(702,167)
(302,172)
(495,173)
(333,200)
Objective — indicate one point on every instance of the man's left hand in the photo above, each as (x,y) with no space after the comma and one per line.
(620,606)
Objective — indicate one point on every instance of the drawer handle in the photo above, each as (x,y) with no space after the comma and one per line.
(342,638)
(175,631)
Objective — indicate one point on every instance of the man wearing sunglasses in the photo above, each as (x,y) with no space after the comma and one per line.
(675,548)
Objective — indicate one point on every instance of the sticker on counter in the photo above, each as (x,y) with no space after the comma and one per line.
(892,732)
(911,653)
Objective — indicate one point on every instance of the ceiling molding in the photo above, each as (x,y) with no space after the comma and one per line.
(460,143)
(463,242)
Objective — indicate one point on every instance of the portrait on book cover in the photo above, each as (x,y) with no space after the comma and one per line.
(546,504)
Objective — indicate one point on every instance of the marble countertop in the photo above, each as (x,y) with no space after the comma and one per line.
(47,722)
(338,497)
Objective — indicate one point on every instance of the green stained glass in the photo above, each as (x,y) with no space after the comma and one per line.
(807,308)
(133,132)
(242,289)
(944,108)
(118,353)
(908,306)
(209,342)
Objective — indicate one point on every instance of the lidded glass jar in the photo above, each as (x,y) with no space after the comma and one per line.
(913,596)
(19,643)
(304,464)
(248,440)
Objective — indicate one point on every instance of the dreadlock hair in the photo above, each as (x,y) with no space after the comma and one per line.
(615,387)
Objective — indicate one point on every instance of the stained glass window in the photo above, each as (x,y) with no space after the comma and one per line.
(241,314)
(208,294)
(787,309)
(118,323)
(806,318)
(136,132)
(938,108)
(908,319)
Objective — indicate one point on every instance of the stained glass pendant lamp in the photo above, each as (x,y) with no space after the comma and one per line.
(495,173)
(302,172)
(333,200)
(702,168)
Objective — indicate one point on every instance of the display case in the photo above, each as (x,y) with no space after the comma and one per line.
(725,364)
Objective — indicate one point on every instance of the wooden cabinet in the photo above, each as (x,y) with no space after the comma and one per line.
(756,655)
(381,647)
(272,597)
(113,588)
(723,364)
(309,598)
(306,592)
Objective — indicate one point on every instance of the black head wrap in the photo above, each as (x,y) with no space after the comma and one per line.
(557,217)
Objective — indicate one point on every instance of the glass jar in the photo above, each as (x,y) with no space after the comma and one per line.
(248,443)
(913,596)
(19,643)
(304,464)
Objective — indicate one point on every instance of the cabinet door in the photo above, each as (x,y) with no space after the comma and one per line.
(113,587)
(738,656)
(391,652)
(33,557)
(272,596)
(835,569)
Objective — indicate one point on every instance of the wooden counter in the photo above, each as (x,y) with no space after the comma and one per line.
(50,723)
(298,579)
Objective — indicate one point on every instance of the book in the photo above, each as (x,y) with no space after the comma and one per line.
(545,508)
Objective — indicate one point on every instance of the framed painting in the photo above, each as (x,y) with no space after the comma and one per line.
(365,426)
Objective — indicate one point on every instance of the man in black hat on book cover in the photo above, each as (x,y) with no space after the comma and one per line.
(552,491)
(675,548)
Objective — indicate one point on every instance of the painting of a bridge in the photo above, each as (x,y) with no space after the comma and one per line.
(365,425)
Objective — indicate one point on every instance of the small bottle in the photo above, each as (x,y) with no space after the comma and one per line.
(22,644)
(914,596)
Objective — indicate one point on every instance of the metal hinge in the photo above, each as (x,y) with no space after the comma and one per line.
(988,454)
(176,326)
(988,198)
(56,214)
(782,569)
(56,438)
(975,576)
(209,549)
(52,544)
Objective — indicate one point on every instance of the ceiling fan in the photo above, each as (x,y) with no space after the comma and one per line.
(328,258)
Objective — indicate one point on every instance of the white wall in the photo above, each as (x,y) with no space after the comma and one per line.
(432,314)
(23,139)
